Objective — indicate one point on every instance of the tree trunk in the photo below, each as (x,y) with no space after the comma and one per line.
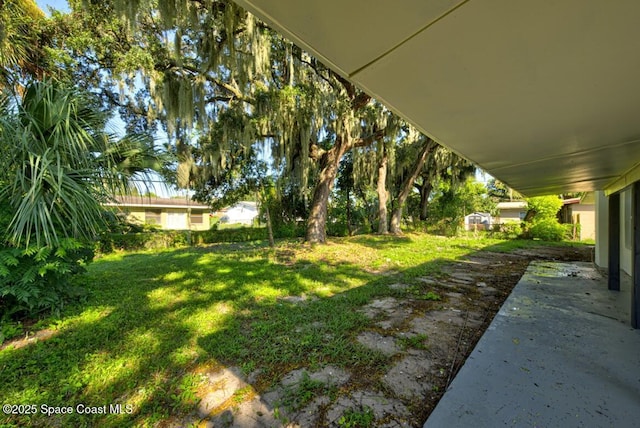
(272,242)
(317,223)
(383,196)
(263,202)
(349,227)
(425,192)
(396,215)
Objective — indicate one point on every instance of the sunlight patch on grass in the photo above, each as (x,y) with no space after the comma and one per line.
(268,293)
(108,370)
(323,290)
(174,276)
(209,319)
(142,342)
(171,297)
(184,355)
(88,316)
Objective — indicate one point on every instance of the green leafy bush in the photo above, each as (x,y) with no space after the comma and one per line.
(176,238)
(338,228)
(9,330)
(544,224)
(547,230)
(511,230)
(36,279)
(572,231)
(241,234)
(142,241)
(544,207)
(56,170)
(289,230)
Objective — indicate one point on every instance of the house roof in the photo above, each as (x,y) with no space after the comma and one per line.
(512,205)
(571,201)
(479,214)
(544,95)
(151,202)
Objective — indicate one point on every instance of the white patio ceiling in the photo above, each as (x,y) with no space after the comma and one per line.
(543,94)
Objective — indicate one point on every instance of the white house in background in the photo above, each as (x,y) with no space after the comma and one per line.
(243,212)
(478,221)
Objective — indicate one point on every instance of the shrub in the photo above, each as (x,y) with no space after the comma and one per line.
(37,279)
(338,228)
(511,230)
(142,241)
(572,231)
(239,234)
(547,230)
(289,230)
(545,207)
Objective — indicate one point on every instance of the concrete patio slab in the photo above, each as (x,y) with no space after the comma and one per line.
(559,353)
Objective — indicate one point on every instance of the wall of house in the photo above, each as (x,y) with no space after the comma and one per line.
(200,215)
(135,216)
(626,231)
(199,218)
(626,244)
(585,214)
(509,215)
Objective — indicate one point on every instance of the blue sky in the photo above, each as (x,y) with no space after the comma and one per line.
(61,5)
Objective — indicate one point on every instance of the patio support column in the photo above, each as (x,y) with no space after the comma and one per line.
(614,242)
(635,287)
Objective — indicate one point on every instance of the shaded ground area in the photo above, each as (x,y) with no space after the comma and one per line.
(427,329)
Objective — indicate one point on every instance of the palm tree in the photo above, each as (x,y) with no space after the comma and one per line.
(58,166)
(21,52)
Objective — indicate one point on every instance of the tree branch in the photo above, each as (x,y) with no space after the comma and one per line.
(314,66)
(370,139)
(316,152)
(234,90)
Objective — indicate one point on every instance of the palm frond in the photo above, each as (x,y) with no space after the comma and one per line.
(57,166)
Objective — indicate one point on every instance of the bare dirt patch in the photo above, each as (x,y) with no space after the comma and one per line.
(427,331)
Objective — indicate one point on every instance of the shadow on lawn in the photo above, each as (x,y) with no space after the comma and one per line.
(155,320)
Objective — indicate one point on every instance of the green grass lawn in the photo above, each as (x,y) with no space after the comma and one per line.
(155,322)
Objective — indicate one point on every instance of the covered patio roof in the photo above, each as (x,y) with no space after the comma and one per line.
(543,95)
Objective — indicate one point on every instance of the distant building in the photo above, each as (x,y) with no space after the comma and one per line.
(574,211)
(581,211)
(509,212)
(478,221)
(166,213)
(243,212)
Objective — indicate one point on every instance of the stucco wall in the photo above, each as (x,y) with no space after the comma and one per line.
(586,213)
(138,216)
(135,216)
(509,215)
(626,230)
